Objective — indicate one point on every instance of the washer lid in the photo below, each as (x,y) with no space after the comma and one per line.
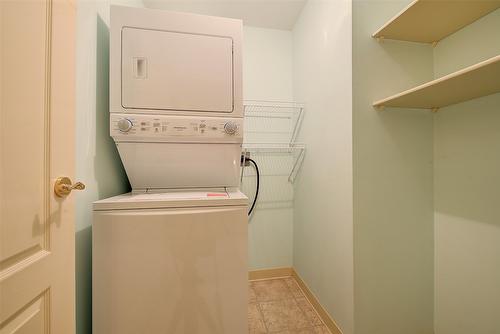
(173,199)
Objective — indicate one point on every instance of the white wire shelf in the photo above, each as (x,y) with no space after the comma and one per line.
(271,129)
(278,166)
(272,122)
(276,159)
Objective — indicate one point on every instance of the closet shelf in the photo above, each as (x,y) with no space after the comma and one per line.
(429,21)
(475,81)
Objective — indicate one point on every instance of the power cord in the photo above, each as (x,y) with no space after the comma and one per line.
(258,184)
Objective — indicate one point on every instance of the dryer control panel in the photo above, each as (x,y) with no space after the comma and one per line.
(139,127)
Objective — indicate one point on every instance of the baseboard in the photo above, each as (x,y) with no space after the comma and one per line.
(327,319)
(269,273)
(287,272)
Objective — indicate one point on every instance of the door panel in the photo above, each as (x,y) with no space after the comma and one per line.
(36,145)
(24,110)
(162,69)
(30,319)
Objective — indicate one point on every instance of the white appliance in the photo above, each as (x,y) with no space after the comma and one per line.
(176,98)
(171,263)
(171,257)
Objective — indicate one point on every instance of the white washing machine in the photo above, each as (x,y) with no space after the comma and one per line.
(170,263)
(171,257)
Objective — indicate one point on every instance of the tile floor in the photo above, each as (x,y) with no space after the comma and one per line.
(279,306)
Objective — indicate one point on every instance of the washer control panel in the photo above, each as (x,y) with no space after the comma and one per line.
(156,126)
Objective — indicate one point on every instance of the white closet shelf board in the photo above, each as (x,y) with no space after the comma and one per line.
(429,21)
(478,80)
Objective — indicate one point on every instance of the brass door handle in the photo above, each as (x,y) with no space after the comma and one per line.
(63,186)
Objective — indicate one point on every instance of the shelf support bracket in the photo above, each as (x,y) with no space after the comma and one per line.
(434,44)
(380,108)
(434,110)
(380,39)
(296,166)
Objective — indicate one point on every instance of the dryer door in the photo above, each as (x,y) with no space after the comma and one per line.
(174,71)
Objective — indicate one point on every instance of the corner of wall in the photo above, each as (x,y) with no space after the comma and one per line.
(323,241)
(393,182)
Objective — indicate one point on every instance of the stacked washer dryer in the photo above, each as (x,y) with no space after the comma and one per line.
(171,256)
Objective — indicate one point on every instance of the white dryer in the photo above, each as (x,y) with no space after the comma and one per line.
(171,257)
(176,107)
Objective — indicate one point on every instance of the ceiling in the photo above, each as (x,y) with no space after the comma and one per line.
(274,14)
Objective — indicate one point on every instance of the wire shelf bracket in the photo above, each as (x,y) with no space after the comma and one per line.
(290,166)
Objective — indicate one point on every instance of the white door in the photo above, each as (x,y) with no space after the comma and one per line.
(36,146)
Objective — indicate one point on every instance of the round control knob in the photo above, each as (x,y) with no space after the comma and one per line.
(124,125)
(231,128)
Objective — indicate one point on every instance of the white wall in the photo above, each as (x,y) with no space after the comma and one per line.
(267,75)
(393,193)
(267,64)
(97,162)
(323,212)
(467,192)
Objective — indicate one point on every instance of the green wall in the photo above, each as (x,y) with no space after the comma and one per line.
(467,191)
(322,240)
(97,162)
(420,208)
(393,190)
(267,76)
(426,187)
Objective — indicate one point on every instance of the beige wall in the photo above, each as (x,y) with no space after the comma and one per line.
(393,192)
(467,192)
(323,249)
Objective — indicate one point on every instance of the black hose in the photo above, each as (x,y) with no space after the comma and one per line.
(258,183)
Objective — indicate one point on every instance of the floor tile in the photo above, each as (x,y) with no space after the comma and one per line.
(309,311)
(252,298)
(321,330)
(294,287)
(311,330)
(278,306)
(268,290)
(255,320)
(283,315)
